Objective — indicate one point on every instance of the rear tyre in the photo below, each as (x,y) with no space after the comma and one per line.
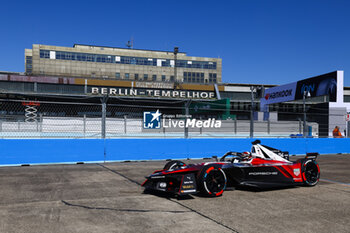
(212,181)
(311,173)
(174,165)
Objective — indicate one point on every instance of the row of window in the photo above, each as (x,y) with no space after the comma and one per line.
(194,77)
(126,60)
(145,77)
(189,77)
(29,64)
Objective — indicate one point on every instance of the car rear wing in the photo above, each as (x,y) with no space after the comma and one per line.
(312,155)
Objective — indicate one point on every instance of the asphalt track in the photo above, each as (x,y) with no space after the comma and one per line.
(108,198)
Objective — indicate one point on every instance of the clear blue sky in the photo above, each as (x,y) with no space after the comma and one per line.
(261,41)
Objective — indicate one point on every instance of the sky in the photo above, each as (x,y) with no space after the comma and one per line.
(259,41)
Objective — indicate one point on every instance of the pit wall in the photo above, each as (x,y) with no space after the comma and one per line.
(44,151)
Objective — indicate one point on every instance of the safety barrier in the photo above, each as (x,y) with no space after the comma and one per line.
(44,151)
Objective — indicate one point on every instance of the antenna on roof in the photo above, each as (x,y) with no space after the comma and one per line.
(130,43)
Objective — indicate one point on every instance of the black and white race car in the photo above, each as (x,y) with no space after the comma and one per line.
(263,166)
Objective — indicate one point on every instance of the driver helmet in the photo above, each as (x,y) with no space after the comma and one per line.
(246,154)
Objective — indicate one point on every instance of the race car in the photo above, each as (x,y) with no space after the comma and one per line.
(262,167)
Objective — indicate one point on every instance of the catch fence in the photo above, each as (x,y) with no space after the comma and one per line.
(117,118)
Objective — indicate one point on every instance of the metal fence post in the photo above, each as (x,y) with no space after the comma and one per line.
(41,122)
(125,123)
(0,125)
(235,125)
(268,126)
(187,113)
(299,126)
(103,123)
(84,126)
(348,129)
(18,126)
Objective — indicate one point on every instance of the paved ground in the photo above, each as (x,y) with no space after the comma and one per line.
(108,198)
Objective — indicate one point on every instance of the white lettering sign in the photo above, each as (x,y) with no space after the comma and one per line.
(152,93)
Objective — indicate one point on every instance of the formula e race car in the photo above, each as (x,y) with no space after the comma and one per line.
(262,167)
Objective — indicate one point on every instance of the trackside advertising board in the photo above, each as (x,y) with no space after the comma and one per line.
(317,86)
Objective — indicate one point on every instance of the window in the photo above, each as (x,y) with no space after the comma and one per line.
(127,75)
(29,59)
(166,63)
(136,77)
(90,57)
(145,77)
(154,77)
(44,54)
(29,64)
(172,78)
(185,77)
(212,78)
(117,75)
(163,78)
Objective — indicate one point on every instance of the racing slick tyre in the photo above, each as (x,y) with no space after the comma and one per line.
(173,165)
(211,181)
(311,173)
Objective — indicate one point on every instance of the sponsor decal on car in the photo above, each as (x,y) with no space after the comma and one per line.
(262,173)
(296,171)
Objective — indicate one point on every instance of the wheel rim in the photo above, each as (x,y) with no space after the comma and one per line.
(215,181)
(311,173)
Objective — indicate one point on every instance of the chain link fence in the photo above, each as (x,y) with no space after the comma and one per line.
(120,118)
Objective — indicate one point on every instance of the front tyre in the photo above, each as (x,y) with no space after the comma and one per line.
(311,173)
(212,181)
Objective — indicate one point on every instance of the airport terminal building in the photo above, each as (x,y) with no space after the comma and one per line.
(90,61)
(144,79)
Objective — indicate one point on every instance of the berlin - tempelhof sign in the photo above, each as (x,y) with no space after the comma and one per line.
(152,93)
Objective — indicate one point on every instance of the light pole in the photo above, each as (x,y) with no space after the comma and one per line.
(256,92)
(252,112)
(176,50)
(305,94)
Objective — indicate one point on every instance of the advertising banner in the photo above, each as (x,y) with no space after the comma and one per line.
(318,86)
(279,94)
(325,84)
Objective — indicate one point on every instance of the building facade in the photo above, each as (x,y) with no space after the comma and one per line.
(90,61)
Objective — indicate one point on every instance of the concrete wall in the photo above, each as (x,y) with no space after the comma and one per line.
(42,151)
